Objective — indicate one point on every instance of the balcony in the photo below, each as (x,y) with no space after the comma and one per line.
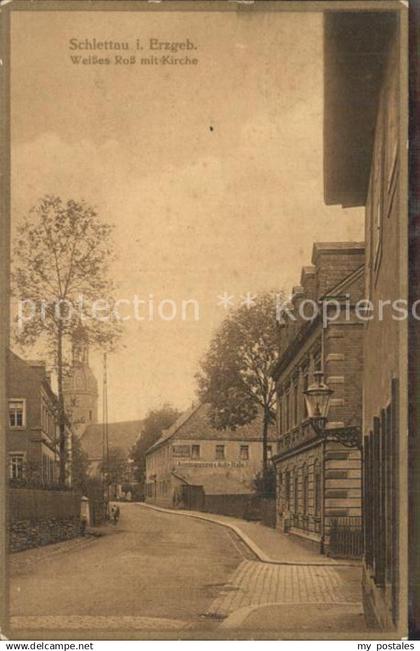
(296,436)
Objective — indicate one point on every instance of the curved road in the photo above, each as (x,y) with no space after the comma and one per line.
(166,575)
(153,571)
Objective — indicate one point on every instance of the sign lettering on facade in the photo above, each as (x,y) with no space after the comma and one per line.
(212,464)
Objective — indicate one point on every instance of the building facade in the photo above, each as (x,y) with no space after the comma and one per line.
(365,165)
(319,481)
(192,453)
(33,431)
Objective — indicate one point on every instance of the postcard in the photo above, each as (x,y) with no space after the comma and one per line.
(207,321)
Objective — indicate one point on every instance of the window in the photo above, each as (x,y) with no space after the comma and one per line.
(287,410)
(90,414)
(17,413)
(220,452)
(195,451)
(305,490)
(269,451)
(378,198)
(52,473)
(17,466)
(317,489)
(244,452)
(45,477)
(377,236)
(279,415)
(181,450)
(287,485)
(79,382)
(305,373)
(296,492)
(295,404)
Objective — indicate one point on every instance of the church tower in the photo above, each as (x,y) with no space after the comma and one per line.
(80,387)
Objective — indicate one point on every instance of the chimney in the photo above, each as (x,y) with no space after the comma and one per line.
(334,261)
(308,282)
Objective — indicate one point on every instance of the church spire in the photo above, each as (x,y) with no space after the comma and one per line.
(80,387)
(80,346)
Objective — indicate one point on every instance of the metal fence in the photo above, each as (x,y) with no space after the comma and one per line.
(346,537)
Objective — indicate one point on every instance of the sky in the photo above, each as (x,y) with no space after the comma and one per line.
(211,173)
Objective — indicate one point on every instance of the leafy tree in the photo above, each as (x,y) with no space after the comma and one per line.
(155,422)
(79,465)
(266,484)
(235,374)
(114,467)
(62,255)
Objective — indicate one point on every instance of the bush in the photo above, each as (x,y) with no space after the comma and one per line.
(37,484)
(266,486)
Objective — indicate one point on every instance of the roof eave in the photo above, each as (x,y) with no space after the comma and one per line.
(356,46)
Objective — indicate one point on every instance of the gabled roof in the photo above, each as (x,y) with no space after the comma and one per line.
(168,433)
(195,425)
(121,435)
(34,369)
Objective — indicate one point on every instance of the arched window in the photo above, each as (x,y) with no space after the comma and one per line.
(295,403)
(305,491)
(296,491)
(317,488)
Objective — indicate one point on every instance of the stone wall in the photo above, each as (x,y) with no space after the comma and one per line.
(237,506)
(40,517)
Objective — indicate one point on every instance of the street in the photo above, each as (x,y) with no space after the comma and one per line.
(169,573)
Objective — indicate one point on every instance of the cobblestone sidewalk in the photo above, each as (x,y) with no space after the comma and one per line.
(255,583)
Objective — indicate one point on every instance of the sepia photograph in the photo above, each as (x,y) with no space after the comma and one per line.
(206,318)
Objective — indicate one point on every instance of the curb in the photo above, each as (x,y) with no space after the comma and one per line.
(238,617)
(262,557)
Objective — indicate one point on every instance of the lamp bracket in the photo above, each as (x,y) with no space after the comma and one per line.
(350,436)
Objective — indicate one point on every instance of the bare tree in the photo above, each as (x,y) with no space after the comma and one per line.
(62,253)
